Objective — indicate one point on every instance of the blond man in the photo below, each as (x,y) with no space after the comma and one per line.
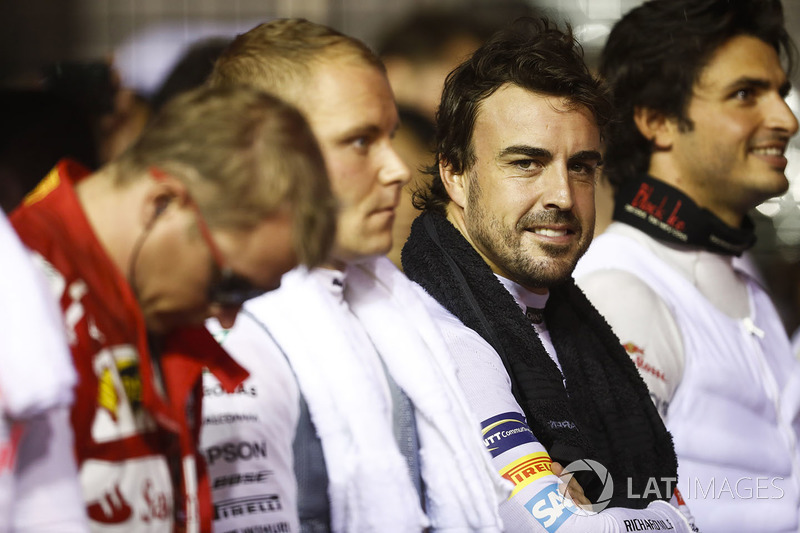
(350,385)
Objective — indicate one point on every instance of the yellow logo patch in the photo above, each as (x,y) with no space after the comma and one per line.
(45,187)
(526,470)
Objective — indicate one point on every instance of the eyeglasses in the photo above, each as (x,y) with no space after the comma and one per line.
(228,289)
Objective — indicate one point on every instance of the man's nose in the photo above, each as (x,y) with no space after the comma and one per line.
(781,117)
(557,193)
(394,169)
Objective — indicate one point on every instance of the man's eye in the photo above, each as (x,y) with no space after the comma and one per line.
(525,164)
(744,94)
(583,168)
(360,142)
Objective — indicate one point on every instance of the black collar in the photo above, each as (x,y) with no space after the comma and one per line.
(667,214)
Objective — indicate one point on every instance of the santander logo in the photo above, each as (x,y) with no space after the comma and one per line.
(111,509)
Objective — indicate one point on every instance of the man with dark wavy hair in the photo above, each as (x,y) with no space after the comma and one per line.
(509,213)
(701,129)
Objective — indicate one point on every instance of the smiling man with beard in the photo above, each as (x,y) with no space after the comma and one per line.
(509,213)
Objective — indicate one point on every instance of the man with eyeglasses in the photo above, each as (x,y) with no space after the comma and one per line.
(223,193)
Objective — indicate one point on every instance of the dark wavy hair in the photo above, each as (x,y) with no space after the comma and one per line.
(531,53)
(653,58)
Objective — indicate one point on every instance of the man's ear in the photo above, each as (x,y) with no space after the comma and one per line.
(455,184)
(656,127)
(162,191)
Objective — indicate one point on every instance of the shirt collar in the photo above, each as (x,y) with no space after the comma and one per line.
(333,280)
(523,296)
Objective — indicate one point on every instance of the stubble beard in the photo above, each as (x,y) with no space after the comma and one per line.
(541,268)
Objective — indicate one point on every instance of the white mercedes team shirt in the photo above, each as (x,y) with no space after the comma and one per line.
(247,436)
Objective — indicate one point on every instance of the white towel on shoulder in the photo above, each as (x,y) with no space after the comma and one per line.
(368,483)
(370,489)
(463,488)
(36,372)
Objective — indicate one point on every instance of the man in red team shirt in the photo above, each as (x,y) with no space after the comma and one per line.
(222,194)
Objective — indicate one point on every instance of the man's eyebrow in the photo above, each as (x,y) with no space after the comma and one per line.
(528,151)
(587,155)
(759,83)
(368,130)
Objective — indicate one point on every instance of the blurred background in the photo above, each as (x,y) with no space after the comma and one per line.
(82,77)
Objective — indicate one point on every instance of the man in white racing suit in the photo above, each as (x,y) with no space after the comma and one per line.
(690,154)
(509,212)
(353,419)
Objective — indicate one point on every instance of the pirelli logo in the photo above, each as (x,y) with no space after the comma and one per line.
(526,470)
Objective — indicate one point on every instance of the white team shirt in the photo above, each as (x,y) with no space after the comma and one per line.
(536,503)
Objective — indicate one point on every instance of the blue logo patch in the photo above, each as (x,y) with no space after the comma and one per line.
(550,508)
(506,431)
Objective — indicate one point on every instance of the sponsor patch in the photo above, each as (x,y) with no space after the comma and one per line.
(229,418)
(230,452)
(550,508)
(637,354)
(265,503)
(241,478)
(45,187)
(506,431)
(217,390)
(113,508)
(278,527)
(120,412)
(525,471)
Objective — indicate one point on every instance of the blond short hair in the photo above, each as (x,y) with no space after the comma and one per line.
(279,56)
(243,155)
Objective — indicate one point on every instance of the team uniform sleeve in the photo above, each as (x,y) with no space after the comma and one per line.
(247,436)
(536,503)
(644,325)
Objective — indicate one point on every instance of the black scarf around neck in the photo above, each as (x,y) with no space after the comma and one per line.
(605,413)
(667,214)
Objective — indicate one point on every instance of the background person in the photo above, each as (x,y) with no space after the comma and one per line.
(224,193)
(39,488)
